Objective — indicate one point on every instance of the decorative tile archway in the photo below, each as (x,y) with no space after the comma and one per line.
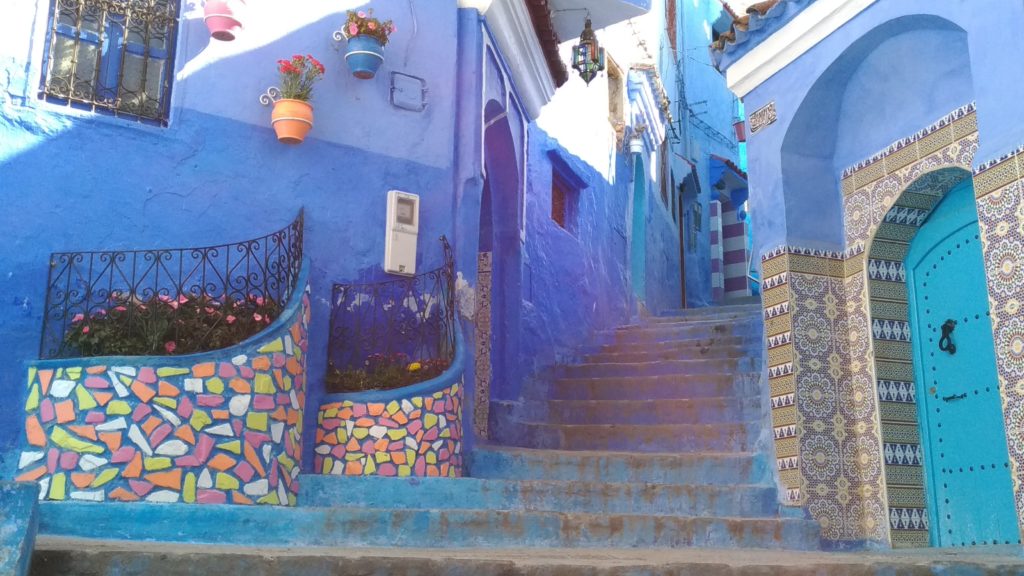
(844,423)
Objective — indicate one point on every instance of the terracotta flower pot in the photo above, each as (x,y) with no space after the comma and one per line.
(292,120)
(221,20)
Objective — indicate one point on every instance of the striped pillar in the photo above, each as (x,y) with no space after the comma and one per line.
(717,266)
(734,253)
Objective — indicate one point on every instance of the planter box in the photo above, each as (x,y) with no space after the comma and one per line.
(221,427)
(411,431)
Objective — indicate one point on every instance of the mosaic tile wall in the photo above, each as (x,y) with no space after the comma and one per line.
(839,347)
(999,189)
(227,429)
(482,358)
(417,435)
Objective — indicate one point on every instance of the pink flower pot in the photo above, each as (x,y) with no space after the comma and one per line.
(220,19)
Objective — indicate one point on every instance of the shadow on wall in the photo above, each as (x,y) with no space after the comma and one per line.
(103,183)
(884,86)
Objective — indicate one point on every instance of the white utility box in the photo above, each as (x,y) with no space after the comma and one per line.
(403,229)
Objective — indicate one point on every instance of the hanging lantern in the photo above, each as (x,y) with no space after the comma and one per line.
(587,56)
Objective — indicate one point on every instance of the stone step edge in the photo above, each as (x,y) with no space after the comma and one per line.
(423,482)
(613,559)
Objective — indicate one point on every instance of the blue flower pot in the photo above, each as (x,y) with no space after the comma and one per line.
(364,56)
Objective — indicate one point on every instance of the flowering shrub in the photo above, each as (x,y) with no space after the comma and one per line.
(384,372)
(364,24)
(298,76)
(162,325)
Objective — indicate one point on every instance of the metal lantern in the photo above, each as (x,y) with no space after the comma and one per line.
(587,56)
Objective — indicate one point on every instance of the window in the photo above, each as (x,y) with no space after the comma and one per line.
(564,203)
(114,55)
(616,99)
(670,22)
(696,215)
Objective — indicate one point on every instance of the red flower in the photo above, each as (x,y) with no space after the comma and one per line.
(170,346)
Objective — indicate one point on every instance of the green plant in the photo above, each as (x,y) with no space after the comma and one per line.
(298,76)
(384,372)
(364,24)
(162,325)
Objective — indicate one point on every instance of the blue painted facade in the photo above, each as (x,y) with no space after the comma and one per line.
(79,180)
(878,110)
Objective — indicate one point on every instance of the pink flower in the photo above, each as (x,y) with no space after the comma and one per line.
(361,14)
(209,310)
(173,304)
(99,313)
(371,25)
(353,29)
(78,318)
(257,317)
(182,299)
(393,28)
(230,319)
(119,309)
(170,346)
(165,298)
(260,300)
(85,329)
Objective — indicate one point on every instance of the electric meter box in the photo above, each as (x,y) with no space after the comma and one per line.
(403,229)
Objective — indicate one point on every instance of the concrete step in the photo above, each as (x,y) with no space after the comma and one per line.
(671,332)
(689,351)
(664,367)
(619,467)
(741,385)
(61,557)
(455,528)
(750,343)
(670,411)
(736,500)
(749,308)
(722,437)
(745,320)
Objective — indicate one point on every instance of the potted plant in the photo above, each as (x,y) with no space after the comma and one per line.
(366,37)
(221,17)
(292,117)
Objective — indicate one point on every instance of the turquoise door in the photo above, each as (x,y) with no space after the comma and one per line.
(966,461)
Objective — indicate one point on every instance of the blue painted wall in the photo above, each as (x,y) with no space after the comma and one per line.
(75,180)
(894,69)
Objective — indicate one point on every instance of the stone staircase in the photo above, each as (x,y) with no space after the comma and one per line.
(639,457)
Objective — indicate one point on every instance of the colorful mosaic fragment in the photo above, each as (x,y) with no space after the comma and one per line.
(413,436)
(215,432)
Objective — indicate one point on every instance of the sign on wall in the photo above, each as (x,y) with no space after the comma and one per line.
(762,117)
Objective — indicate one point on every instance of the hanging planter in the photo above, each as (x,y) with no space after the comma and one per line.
(222,19)
(292,117)
(366,38)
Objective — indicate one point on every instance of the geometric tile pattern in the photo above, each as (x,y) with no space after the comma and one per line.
(1000,198)
(482,388)
(220,431)
(419,435)
(838,343)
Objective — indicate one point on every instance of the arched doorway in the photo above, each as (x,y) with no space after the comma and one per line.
(499,269)
(925,267)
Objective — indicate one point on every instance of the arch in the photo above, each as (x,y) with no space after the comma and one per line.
(881,88)
(892,358)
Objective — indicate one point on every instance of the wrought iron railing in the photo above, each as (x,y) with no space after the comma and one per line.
(262,273)
(410,320)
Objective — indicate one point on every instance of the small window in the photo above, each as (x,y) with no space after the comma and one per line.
(663,176)
(564,203)
(108,55)
(616,98)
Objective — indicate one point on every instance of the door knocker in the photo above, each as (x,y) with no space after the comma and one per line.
(946,342)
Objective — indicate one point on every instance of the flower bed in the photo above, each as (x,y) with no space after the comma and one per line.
(212,428)
(410,431)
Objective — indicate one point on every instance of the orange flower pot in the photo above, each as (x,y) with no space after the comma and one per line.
(292,120)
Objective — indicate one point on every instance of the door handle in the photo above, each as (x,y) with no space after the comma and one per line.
(946,341)
(954,397)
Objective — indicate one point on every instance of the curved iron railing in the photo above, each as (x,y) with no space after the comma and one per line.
(84,285)
(411,318)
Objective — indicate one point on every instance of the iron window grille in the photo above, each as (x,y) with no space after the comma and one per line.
(84,284)
(112,55)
